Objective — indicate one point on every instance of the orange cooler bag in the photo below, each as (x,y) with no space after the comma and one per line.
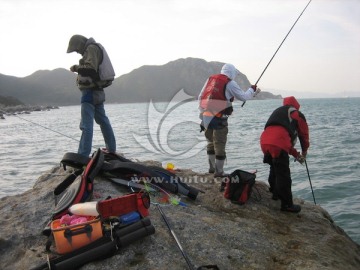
(69,238)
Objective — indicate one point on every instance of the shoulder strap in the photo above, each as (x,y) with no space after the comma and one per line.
(94,166)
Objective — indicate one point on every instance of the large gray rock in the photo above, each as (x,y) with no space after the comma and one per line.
(211,230)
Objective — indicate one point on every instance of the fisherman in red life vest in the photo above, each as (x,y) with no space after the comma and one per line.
(277,141)
(215,105)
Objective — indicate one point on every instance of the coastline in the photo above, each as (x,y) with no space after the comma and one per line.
(23,109)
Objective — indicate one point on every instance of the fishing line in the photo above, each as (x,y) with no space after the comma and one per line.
(44,127)
(280,46)
(37,124)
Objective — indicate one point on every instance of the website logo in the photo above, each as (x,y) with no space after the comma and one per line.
(162,123)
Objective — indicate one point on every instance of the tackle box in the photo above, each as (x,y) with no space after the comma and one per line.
(72,237)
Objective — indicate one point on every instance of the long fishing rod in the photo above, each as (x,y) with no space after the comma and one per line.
(165,197)
(307,169)
(279,47)
(190,265)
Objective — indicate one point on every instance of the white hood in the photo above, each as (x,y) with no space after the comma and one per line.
(230,71)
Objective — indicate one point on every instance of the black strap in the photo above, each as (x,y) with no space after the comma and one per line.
(94,166)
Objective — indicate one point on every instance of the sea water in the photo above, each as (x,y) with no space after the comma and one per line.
(31,144)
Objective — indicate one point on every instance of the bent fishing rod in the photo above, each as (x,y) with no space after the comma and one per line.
(279,46)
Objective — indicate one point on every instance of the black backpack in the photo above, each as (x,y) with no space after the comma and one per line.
(239,186)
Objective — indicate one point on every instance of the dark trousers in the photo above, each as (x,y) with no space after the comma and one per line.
(280,177)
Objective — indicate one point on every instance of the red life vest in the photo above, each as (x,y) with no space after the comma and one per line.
(213,98)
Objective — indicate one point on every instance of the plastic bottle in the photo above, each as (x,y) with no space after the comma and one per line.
(84,209)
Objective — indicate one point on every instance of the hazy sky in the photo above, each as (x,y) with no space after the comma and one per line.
(321,54)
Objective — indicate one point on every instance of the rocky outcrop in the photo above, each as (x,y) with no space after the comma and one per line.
(23,109)
(211,230)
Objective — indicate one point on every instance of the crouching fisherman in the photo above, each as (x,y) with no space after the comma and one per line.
(277,141)
(215,105)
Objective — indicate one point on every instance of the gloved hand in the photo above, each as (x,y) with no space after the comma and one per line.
(74,68)
(202,128)
(300,158)
(256,89)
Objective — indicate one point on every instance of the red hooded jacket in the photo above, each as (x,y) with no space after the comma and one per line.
(277,137)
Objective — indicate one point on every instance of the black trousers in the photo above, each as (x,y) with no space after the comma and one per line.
(280,177)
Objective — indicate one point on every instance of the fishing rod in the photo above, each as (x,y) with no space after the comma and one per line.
(190,265)
(307,169)
(280,46)
(163,194)
(162,197)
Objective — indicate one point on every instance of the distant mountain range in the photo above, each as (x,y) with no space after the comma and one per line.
(156,83)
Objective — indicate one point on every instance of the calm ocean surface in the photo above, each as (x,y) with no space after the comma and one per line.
(170,133)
